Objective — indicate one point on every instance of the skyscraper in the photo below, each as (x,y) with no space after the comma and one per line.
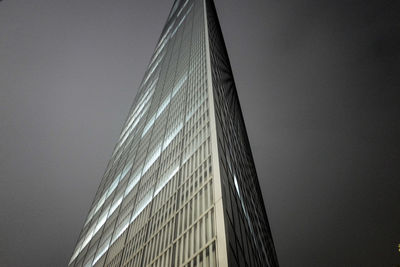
(181,187)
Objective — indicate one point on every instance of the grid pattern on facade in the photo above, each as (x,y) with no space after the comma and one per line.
(155,205)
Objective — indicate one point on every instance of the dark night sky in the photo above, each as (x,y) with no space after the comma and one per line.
(317,81)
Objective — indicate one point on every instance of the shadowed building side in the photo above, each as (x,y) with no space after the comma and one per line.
(249,236)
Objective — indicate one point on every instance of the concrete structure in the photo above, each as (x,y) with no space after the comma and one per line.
(181,188)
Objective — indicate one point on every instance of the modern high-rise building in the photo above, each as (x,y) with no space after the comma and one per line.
(181,187)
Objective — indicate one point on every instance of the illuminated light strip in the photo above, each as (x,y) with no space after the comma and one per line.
(148,165)
(149,124)
(135,117)
(166,180)
(126,223)
(76,252)
(101,221)
(110,190)
(139,208)
(132,184)
(88,237)
(149,196)
(245,210)
(101,251)
(118,155)
(174,7)
(156,154)
(148,94)
(146,200)
(164,105)
(180,23)
(92,232)
(131,129)
(120,229)
(164,40)
(137,121)
(152,69)
(172,136)
(183,6)
(138,109)
(143,203)
(193,151)
(133,126)
(158,52)
(179,85)
(145,98)
(137,114)
(155,116)
(165,37)
(90,216)
(100,203)
(126,169)
(166,34)
(195,109)
(161,44)
(114,206)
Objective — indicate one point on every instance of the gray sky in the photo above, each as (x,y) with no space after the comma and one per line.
(317,81)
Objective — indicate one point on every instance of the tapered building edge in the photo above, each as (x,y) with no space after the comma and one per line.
(223,91)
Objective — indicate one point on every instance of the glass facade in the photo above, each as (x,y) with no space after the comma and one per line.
(181,187)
